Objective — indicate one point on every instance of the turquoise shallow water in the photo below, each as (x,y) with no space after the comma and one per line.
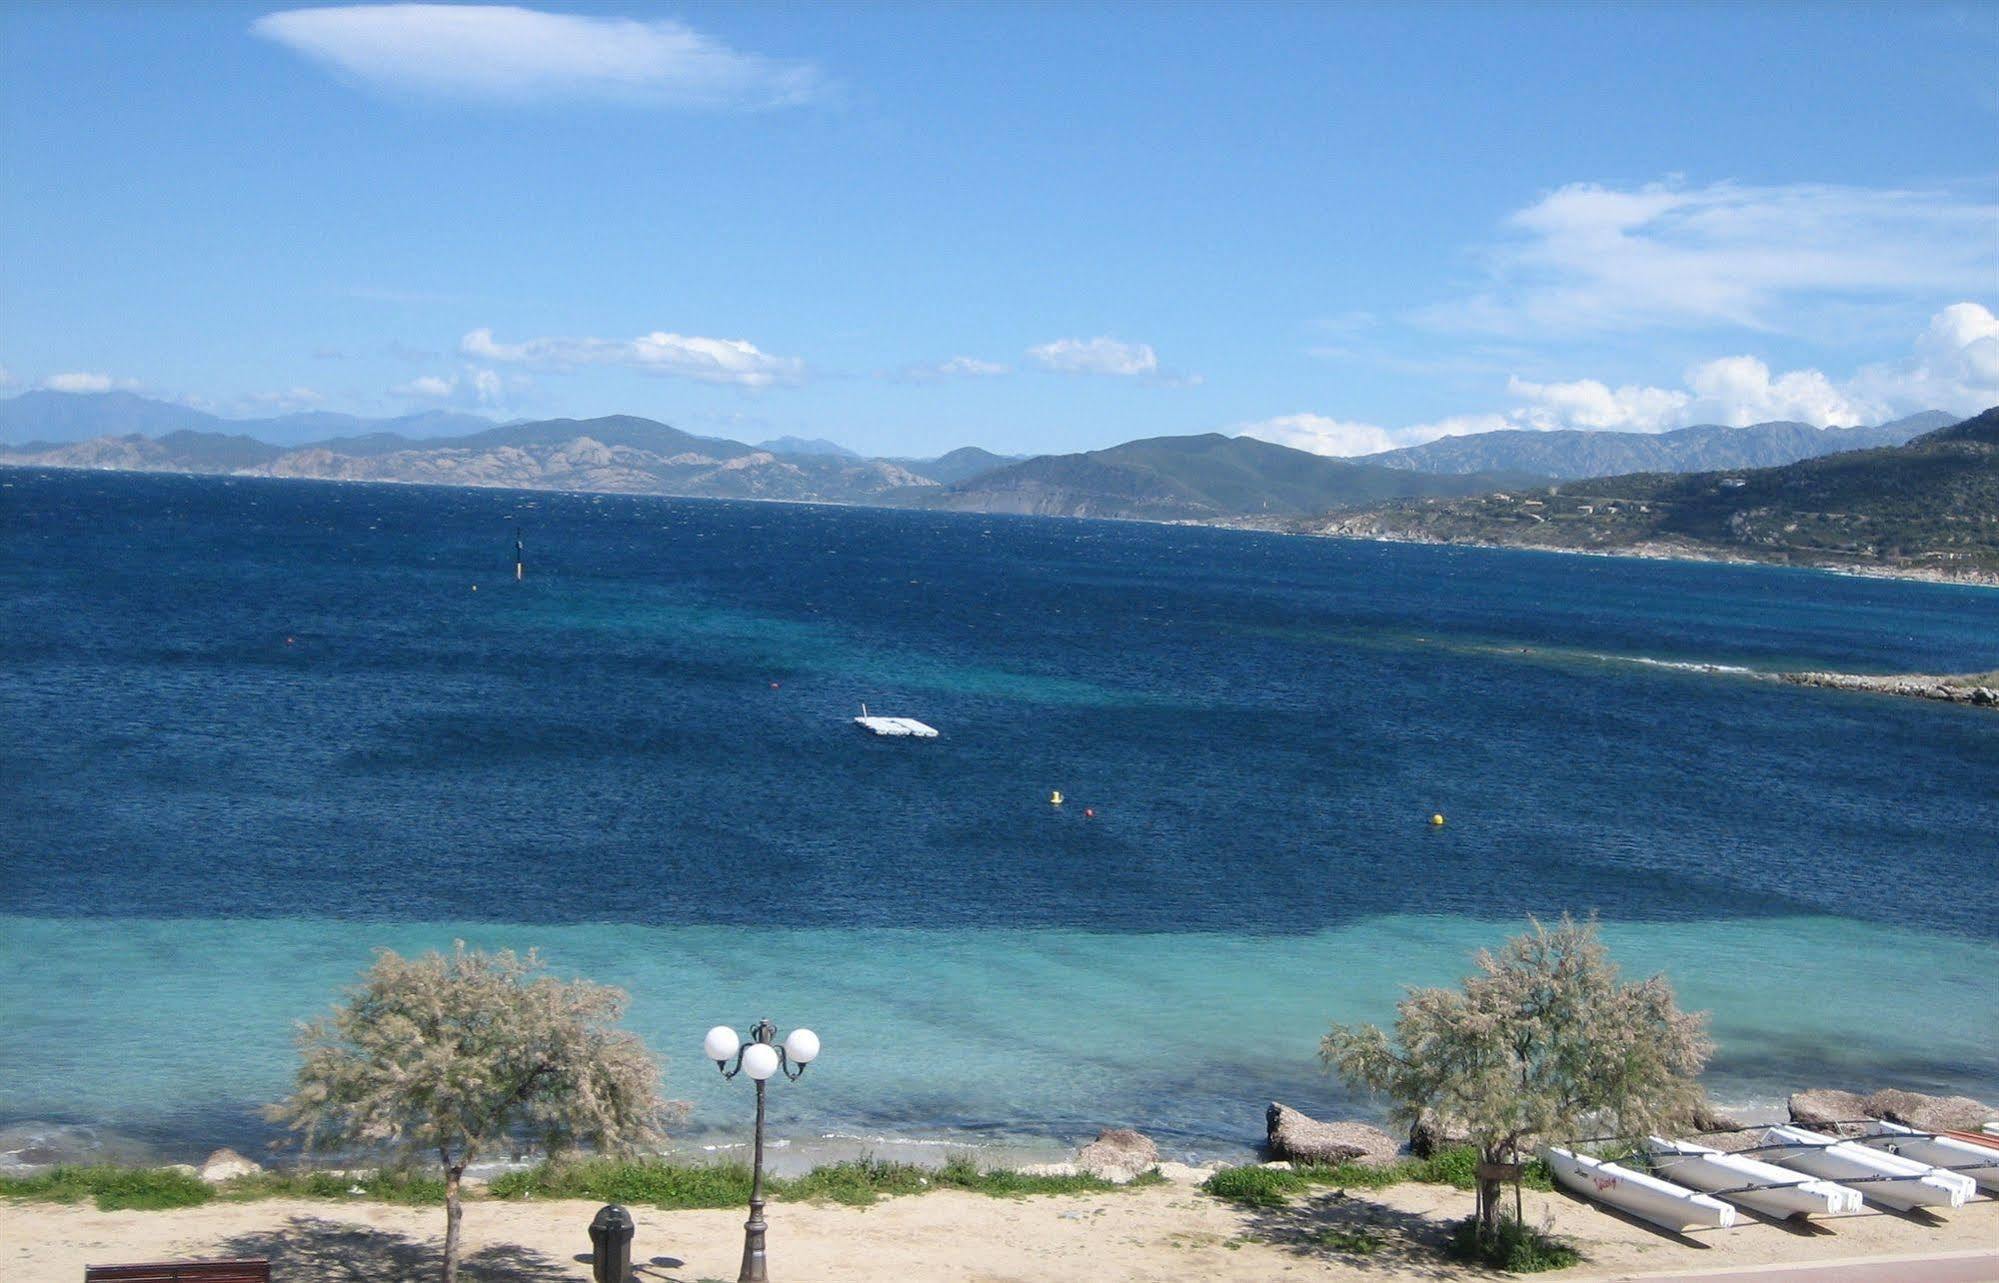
(979,1035)
(251,730)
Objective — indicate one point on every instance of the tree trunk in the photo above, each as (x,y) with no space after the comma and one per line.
(454,1212)
(1488,1196)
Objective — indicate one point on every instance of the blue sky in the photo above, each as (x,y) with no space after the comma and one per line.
(1032,227)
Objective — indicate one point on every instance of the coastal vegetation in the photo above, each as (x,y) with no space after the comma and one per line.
(1270,1186)
(439,1059)
(1929,506)
(1542,1042)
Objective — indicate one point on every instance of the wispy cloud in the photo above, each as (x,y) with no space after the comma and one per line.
(706,360)
(509,53)
(1103,355)
(472,387)
(84,381)
(1953,365)
(957,367)
(6,377)
(1589,258)
(287,401)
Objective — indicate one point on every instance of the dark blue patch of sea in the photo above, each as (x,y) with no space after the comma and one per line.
(230,698)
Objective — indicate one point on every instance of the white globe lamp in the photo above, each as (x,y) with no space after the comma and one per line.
(802,1047)
(760,1060)
(721,1043)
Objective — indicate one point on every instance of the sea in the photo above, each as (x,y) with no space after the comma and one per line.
(253,730)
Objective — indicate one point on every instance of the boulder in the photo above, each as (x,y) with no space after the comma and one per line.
(1929,1113)
(1304,1139)
(1823,1106)
(1429,1133)
(1118,1154)
(227,1165)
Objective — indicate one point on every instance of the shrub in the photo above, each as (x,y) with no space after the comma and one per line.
(1514,1247)
(1255,1186)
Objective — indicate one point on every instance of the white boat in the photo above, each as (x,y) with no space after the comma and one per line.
(1887,1179)
(1761,1187)
(1964,1157)
(1647,1197)
(895,726)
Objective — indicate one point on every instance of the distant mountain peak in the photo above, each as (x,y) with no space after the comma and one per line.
(808,446)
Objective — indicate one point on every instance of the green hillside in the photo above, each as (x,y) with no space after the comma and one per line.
(1931,504)
(1193,478)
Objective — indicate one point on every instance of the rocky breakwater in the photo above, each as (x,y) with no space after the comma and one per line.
(1981,689)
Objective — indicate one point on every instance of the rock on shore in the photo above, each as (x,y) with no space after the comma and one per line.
(1118,1155)
(1823,1107)
(1301,1138)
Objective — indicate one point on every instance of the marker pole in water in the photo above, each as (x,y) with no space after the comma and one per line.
(520,558)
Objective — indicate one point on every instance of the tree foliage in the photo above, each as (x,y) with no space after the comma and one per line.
(442,1059)
(1542,1041)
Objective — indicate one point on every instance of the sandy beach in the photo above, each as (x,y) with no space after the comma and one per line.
(1167,1232)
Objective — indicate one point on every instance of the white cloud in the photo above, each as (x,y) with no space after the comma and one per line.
(958,367)
(81,381)
(1954,366)
(735,361)
(6,377)
(1589,258)
(427,387)
(1103,355)
(1587,403)
(1342,438)
(504,52)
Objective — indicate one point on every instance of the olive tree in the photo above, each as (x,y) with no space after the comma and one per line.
(440,1059)
(1541,1041)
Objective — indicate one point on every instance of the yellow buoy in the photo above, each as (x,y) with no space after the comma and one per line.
(1055,798)
(1436,820)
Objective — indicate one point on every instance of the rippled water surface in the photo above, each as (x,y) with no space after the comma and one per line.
(251,729)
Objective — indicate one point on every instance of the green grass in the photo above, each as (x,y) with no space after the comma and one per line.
(388,1186)
(1517,1248)
(1352,1242)
(1273,1186)
(113,1189)
(854,1183)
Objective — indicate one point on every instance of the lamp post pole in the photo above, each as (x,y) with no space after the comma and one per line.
(762,1056)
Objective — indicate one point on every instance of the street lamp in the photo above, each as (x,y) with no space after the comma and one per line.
(759,1056)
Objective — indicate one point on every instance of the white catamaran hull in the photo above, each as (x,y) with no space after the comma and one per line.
(1966,1158)
(1646,1197)
(1887,1179)
(1777,1191)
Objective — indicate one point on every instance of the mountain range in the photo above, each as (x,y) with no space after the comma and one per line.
(1569,454)
(1929,506)
(1189,478)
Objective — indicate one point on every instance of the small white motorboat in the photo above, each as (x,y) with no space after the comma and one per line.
(1964,1157)
(1884,1178)
(1761,1187)
(1647,1197)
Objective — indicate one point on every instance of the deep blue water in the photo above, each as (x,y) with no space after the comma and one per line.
(285,706)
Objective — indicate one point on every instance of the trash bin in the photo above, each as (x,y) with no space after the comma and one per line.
(611,1245)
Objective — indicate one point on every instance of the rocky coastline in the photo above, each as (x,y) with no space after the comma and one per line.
(1980,689)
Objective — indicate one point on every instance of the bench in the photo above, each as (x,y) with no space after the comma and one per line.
(252,1270)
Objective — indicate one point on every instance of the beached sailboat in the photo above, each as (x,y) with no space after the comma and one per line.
(1881,1177)
(1759,1186)
(1647,1197)
(1964,1157)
